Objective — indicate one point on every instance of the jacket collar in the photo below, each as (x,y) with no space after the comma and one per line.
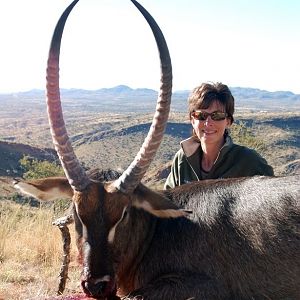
(192,144)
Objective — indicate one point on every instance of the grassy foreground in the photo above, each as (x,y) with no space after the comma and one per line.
(31,253)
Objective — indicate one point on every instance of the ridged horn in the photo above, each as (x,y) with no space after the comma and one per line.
(131,177)
(72,168)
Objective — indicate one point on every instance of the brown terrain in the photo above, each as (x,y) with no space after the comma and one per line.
(111,140)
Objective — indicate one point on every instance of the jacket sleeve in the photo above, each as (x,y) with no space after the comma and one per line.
(173,177)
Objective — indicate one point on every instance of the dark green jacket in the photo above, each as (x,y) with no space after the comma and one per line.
(233,161)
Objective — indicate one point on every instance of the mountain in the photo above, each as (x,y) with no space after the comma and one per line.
(122,98)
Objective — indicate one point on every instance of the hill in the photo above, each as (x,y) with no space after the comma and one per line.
(11,153)
(107,127)
(123,99)
(112,141)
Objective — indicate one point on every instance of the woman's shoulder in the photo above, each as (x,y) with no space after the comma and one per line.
(250,160)
(243,150)
(247,156)
(238,151)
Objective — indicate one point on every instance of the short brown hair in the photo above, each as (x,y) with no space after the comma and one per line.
(206,93)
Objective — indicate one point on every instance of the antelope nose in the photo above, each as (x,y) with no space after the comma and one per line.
(94,289)
(100,288)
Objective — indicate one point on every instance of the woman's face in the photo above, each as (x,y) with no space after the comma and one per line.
(209,131)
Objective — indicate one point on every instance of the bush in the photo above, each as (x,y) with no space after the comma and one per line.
(34,169)
(243,135)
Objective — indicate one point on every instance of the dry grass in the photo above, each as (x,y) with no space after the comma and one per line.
(30,253)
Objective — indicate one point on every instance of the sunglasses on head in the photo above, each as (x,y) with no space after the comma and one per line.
(215,116)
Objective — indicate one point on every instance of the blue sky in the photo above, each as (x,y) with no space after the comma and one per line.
(106,42)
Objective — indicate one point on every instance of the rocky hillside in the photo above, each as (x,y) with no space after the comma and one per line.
(108,126)
(11,153)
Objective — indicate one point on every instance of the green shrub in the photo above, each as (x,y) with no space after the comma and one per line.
(34,169)
(243,135)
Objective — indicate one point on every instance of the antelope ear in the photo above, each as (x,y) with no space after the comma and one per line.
(164,212)
(157,204)
(45,189)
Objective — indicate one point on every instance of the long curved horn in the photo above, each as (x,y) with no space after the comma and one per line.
(131,177)
(72,168)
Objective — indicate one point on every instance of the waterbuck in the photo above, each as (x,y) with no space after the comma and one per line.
(240,241)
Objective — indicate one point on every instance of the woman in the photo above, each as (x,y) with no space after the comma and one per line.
(210,152)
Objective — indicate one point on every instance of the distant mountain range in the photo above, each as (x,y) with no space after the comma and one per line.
(125,99)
